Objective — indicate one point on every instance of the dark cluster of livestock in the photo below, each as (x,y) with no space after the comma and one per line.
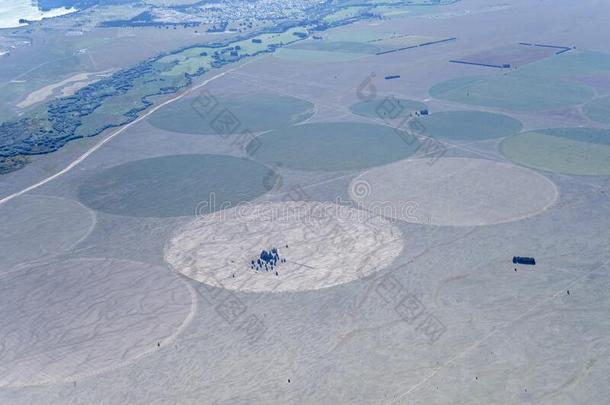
(268,260)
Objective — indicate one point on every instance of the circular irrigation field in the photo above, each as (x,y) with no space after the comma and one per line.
(578,151)
(468,125)
(513,92)
(177,185)
(598,110)
(211,114)
(39,227)
(453,191)
(71,319)
(324,245)
(387,108)
(332,146)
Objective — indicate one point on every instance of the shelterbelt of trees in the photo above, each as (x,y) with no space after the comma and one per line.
(58,125)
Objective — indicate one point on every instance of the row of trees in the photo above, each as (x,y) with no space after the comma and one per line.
(55,127)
